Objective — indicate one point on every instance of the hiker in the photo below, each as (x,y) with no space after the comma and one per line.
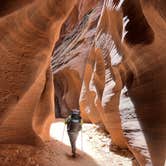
(74,125)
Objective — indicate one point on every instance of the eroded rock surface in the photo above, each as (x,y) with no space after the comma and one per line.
(109,62)
(28,32)
(121,72)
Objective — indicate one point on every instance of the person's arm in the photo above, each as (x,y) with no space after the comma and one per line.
(67,119)
(82,122)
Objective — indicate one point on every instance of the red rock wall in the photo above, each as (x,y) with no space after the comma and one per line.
(68,64)
(28,32)
(109,62)
(123,80)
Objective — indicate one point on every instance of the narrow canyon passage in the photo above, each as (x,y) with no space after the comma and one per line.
(93,150)
(103,58)
(95,142)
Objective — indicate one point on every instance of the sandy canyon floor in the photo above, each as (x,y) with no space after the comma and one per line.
(93,150)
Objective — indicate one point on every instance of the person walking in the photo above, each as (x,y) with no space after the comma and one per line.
(74,125)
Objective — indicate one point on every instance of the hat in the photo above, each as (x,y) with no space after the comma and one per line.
(75,111)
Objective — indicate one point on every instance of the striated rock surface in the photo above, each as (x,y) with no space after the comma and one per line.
(68,64)
(109,62)
(28,32)
(118,65)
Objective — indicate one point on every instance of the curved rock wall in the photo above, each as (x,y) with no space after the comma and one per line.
(28,31)
(109,62)
(69,61)
(123,80)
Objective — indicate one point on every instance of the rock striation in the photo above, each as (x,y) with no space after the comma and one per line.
(108,61)
(119,67)
(28,32)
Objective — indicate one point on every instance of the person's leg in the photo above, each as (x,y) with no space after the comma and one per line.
(73,137)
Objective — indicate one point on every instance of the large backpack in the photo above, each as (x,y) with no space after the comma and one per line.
(74,123)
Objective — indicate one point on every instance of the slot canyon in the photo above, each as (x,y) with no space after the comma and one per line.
(105,58)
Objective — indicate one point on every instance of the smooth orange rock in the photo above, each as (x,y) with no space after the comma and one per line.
(27,38)
(123,85)
(109,62)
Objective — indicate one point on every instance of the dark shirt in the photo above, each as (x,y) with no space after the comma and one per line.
(74,123)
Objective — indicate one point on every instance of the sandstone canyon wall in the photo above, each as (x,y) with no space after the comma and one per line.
(109,62)
(28,32)
(117,55)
